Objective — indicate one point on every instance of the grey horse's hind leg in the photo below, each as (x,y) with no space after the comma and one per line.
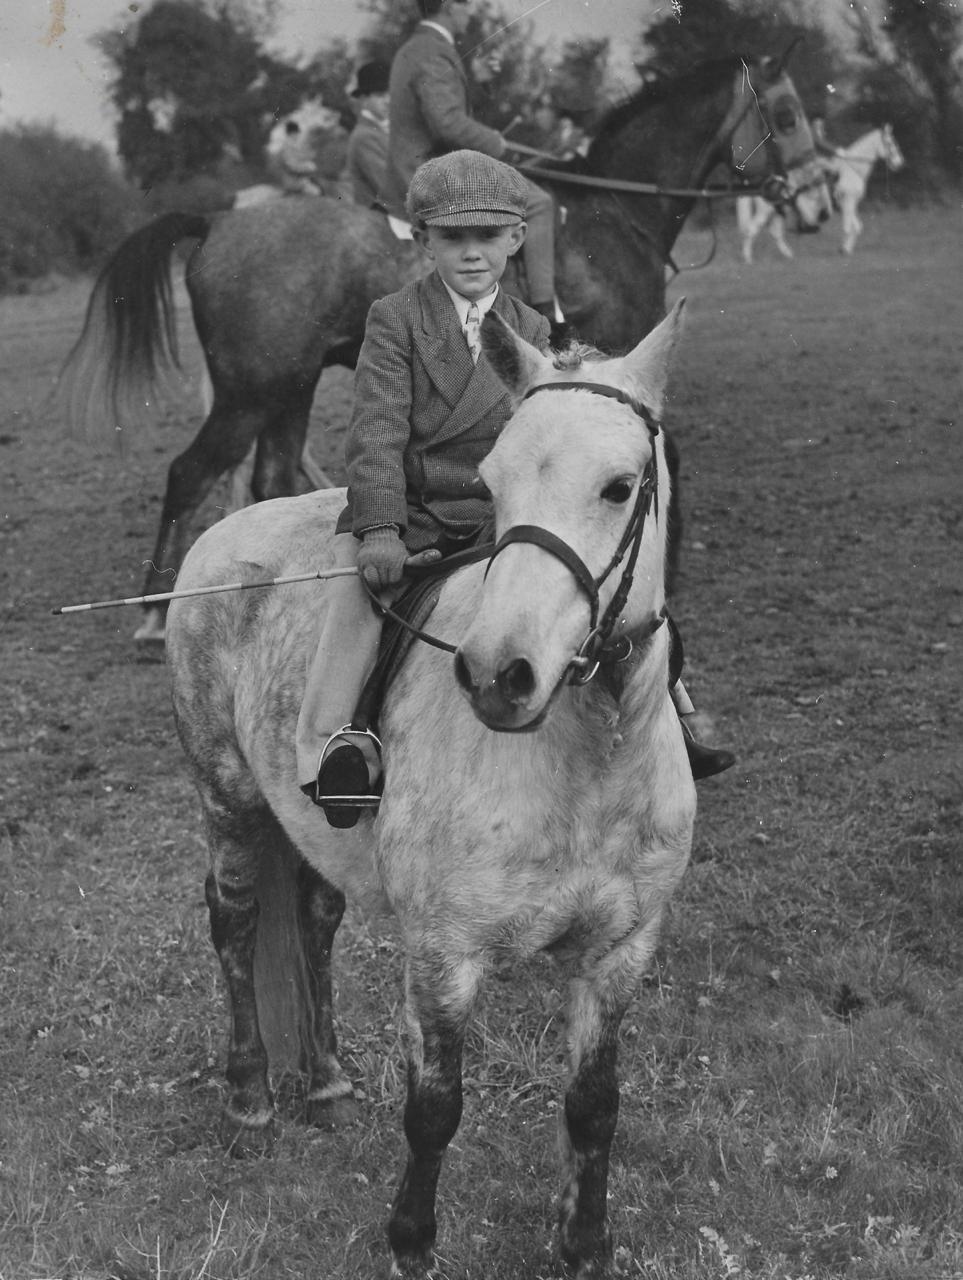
(439,999)
(247,1120)
(219,446)
(321,907)
(273,922)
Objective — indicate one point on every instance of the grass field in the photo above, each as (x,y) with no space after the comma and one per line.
(792,1070)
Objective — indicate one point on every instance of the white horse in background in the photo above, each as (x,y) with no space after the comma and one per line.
(755,214)
(851,167)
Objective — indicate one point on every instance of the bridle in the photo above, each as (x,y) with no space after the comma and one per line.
(598,646)
(743,101)
(734,136)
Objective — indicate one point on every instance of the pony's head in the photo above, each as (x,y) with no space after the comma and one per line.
(581,491)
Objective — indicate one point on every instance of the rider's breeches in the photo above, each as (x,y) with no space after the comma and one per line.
(539,247)
(346,653)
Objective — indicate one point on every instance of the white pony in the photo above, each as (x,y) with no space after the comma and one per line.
(755,214)
(529,805)
(851,167)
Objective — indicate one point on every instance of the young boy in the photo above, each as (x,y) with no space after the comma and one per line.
(427,409)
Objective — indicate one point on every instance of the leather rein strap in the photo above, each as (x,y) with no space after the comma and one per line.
(596,648)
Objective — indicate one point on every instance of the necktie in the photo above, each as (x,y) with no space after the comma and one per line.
(473,331)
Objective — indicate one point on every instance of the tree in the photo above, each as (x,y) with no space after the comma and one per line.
(63,205)
(704,30)
(579,78)
(193,84)
(907,75)
(499,98)
(926,35)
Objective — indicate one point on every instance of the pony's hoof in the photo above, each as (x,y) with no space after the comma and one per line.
(331,1114)
(415,1267)
(246,1141)
(152,629)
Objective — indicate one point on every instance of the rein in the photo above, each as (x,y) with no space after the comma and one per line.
(639,188)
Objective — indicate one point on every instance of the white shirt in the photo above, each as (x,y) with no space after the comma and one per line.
(462,304)
(365,114)
(436,26)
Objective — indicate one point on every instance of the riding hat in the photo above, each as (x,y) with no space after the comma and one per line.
(371,78)
(466,189)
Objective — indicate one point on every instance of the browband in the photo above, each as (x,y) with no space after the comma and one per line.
(602,389)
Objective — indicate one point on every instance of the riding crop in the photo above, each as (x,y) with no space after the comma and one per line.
(164,596)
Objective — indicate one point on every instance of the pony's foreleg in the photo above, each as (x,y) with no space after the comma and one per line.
(440,994)
(591,1112)
(247,1121)
(596,1006)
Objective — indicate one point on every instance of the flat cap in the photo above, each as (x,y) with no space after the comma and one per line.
(466,189)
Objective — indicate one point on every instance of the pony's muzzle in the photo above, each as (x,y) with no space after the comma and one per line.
(502,700)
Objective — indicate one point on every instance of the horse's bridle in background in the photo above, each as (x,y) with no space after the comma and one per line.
(596,647)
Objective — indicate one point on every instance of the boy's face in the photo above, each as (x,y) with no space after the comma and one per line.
(471,260)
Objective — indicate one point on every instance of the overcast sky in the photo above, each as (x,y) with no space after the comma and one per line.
(50,72)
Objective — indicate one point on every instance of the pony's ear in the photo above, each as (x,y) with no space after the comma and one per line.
(515,361)
(645,370)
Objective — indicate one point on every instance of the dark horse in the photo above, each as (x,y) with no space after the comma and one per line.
(280,292)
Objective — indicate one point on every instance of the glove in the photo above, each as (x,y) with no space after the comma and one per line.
(382,557)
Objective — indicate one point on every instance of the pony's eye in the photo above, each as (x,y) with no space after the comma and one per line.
(618,491)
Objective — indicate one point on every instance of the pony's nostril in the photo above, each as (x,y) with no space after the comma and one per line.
(516,682)
(463,673)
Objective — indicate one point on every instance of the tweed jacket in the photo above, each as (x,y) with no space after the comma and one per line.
(429,112)
(425,416)
(365,161)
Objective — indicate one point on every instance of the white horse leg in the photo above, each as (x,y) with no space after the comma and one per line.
(440,992)
(777,229)
(746,223)
(851,225)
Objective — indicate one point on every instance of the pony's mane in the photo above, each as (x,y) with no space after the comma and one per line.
(574,354)
(664,89)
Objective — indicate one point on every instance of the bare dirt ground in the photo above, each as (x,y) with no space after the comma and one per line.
(794,1081)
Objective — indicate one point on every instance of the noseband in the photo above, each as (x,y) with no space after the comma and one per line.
(595,648)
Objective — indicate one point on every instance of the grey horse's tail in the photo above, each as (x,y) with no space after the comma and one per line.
(282,977)
(129,336)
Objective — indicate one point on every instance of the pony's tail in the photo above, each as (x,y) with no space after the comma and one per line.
(286,1006)
(129,336)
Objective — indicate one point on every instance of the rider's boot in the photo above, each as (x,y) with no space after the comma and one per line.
(349,776)
(704,762)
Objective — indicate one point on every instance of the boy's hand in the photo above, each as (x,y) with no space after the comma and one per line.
(381,559)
